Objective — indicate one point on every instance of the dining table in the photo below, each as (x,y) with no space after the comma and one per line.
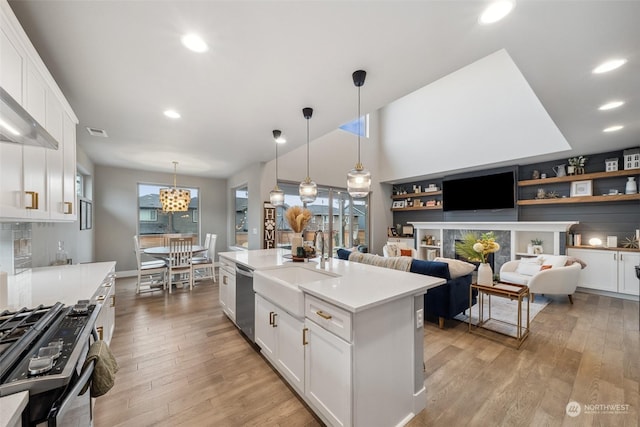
(162,252)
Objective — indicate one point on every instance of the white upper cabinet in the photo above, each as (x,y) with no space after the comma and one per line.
(36,183)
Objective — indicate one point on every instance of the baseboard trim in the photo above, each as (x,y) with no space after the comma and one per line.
(608,294)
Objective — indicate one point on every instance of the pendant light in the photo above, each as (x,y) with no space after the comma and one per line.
(358,178)
(276,196)
(175,199)
(308,189)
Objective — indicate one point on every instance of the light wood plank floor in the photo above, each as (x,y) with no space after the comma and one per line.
(182,362)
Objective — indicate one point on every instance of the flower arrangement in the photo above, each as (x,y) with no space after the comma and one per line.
(298,218)
(536,242)
(577,162)
(477,249)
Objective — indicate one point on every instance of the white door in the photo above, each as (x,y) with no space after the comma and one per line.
(602,269)
(327,369)
(628,282)
(265,335)
(290,352)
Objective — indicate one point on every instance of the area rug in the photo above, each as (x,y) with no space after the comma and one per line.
(505,310)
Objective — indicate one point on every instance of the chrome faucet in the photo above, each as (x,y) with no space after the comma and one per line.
(319,243)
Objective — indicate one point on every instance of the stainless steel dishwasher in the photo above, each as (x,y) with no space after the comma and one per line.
(245,301)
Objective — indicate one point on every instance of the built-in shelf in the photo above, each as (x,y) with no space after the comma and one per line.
(582,177)
(417,208)
(580,199)
(410,195)
(604,248)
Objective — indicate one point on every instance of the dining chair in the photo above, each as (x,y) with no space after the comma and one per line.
(180,254)
(150,273)
(204,266)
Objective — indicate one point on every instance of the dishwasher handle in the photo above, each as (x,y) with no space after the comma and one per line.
(244,271)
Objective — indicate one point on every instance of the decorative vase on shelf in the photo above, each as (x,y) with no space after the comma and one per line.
(485,274)
(632,186)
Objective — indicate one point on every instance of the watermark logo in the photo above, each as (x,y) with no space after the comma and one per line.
(573,409)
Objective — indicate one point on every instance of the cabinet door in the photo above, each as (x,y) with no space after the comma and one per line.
(231,297)
(327,369)
(628,283)
(11,193)
(55,159)
(290,349)
(265,331)
(11,64)
(69,168)
(602,269)
(223,280)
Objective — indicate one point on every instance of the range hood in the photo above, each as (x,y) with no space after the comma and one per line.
(17,125)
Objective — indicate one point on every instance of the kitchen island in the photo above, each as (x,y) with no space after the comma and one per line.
(348,337)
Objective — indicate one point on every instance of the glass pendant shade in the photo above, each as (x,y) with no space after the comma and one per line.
(276,196)
(308,191)
(175,199)
(358,182)
(358,178)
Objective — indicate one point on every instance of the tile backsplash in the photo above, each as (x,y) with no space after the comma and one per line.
(15,247)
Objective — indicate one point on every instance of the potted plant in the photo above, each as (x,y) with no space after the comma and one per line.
(576,165)
(536,246)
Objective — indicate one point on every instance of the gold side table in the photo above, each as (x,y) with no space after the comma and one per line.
(503,290)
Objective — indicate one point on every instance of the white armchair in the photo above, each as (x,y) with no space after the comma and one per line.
(556,279)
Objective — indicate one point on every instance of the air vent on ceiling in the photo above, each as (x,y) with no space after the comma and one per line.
(97,132)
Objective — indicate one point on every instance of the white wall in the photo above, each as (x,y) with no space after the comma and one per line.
(116,210)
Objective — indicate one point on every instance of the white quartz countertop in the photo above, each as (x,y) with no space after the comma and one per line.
(48,285)
(354,287)
(11,408)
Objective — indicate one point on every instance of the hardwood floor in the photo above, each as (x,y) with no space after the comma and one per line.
(182,362)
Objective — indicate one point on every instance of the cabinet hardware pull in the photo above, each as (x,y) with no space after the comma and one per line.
(304,336)
(323,314)
(113,300)
(224,280)
(101,298)
(271,318)
(615,257)
(68,208)
(274,320)
(99,329)
(34,199)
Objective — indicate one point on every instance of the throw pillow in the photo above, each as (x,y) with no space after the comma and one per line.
(457,268)
(392,250)
(430,268)
(406,252)
(572,260)
(545,267)
(343,254)
(553,260)
(528,266)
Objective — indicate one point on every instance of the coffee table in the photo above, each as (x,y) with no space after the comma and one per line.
(502,290)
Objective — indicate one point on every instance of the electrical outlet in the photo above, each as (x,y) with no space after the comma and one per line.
(419,318)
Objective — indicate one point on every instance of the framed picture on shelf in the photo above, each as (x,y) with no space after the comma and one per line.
(581,188)
(392,232)
(398,204)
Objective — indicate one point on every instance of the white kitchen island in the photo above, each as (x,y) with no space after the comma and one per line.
(352,347)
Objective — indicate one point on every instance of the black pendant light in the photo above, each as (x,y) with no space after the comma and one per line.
(276,196)
(358,178)
(308,189)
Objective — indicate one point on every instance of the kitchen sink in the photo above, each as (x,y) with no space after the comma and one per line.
(280,285)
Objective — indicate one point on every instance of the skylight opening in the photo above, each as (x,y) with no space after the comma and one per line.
(352,126)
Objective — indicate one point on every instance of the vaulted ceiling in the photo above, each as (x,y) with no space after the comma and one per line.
(121,64)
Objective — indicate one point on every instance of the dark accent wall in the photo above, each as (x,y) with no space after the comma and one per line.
(619,219)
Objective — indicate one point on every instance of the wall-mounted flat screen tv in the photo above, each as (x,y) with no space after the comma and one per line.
(495,191)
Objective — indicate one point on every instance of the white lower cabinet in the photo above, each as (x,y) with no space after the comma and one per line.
(280,336)
(328,374)
(607,270)
(227,294)
(105,297)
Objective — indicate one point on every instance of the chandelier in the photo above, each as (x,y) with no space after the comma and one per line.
(358,178)
(175,199)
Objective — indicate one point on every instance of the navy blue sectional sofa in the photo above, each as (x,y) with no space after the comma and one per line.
(444,301)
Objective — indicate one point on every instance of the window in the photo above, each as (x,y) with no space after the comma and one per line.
(354,125)
(154,223)
(345,219)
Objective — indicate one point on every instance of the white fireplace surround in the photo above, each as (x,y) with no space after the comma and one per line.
(521,232)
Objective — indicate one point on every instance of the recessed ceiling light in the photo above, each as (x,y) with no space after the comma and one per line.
(496,11)
(611,105)
(172,114)
(194,42)
(609,66)
(612,128)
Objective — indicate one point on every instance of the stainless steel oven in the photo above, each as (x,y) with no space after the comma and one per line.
(42,351)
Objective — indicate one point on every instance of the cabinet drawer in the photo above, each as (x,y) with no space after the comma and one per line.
(330,317)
